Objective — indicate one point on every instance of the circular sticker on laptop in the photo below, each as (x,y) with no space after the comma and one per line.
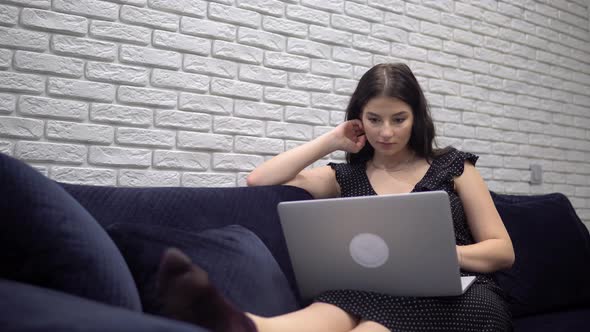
(369,250)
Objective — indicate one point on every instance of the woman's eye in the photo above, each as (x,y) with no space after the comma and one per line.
(399,120)
(373,120)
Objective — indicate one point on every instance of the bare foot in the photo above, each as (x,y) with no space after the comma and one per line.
(187,295)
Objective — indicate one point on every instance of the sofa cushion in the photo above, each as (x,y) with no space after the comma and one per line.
(237,261)
(48,239)
(27,308)
(559,321)
(552,248)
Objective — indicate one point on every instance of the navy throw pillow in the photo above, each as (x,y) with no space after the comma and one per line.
(238,263)
(49,240)
(552,248)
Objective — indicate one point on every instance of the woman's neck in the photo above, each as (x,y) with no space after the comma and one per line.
(393,162)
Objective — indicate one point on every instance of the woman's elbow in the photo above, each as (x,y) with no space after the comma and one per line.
(509,258)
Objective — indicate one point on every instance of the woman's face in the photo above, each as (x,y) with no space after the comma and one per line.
(387,123)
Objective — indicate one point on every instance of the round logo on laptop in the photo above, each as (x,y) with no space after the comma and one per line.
(369,250)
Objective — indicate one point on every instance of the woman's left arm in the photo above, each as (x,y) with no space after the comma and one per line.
(493,249)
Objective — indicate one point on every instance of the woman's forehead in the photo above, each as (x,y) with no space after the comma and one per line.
(386,106)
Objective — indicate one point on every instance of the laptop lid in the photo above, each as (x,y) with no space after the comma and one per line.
(402,245)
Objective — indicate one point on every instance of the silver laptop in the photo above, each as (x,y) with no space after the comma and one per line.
(402,245)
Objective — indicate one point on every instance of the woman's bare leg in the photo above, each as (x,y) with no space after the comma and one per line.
(370,326)
(318,317)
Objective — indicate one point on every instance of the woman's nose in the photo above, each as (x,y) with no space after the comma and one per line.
(386,130)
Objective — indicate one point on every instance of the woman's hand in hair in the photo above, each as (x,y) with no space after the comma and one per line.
(349,136)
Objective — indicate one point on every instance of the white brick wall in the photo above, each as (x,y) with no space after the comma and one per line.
(197,93)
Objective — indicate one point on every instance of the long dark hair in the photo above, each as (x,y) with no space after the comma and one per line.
(394,80)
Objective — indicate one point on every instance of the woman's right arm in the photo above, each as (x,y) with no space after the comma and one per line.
(288,167)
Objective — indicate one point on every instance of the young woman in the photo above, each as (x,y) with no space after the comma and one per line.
(388,139)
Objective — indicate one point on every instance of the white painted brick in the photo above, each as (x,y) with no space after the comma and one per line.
(286,96)
(443,5)
(261,39)
(21,82)
(363,12)
(140,3)
(289,130)
(488,55)
(209,66)
(350,24)
(132,178)
(444,115)
(88,8)
(310,82)
(248,109)
(209,180)
(178,80)
(50,152)
(308,15)
(8,15)
(52,108)
(181,43)
(423,41)
(149,18)
(307,115)
(46,20)
(474,66)
(511,175)
(208,29)
(474,92)
(256,145)
(113,73)
(477,146)
(484,28)
(182,160)
(359,71)
(402,22)
(145,137)
(78,132)
(388,33)
(469,11)
(20,127)
(125,115)
(331,68)
(269,7)
(308,48)
(184,7)
(504,148)
(425,70)
(285,27)
(120,32)
(517,162)
(202,141)
(150,57)
(85,176)
(329,101)
(236,162)
(336,6)
(351,56)
(23,39)
(458,49)
(204,103)
(396,6)
(234,15)
(443,87)
(238,89)
(80,47)
(258,74)
(7,103)
(436,30)
(147,97)
(286,61)
(183,120)
(330,36)
(81,89)
(237,52)
(504,123)
(239,126)
(443,59)
(112,156)
(5,58)
(423,13)
(371,44)
(45,4)
(408,52)
(458,130)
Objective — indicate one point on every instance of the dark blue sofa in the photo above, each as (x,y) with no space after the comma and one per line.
(548,287)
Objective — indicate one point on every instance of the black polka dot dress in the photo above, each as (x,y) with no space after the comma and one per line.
(481,308)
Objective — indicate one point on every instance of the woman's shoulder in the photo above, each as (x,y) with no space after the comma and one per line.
(450,155)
